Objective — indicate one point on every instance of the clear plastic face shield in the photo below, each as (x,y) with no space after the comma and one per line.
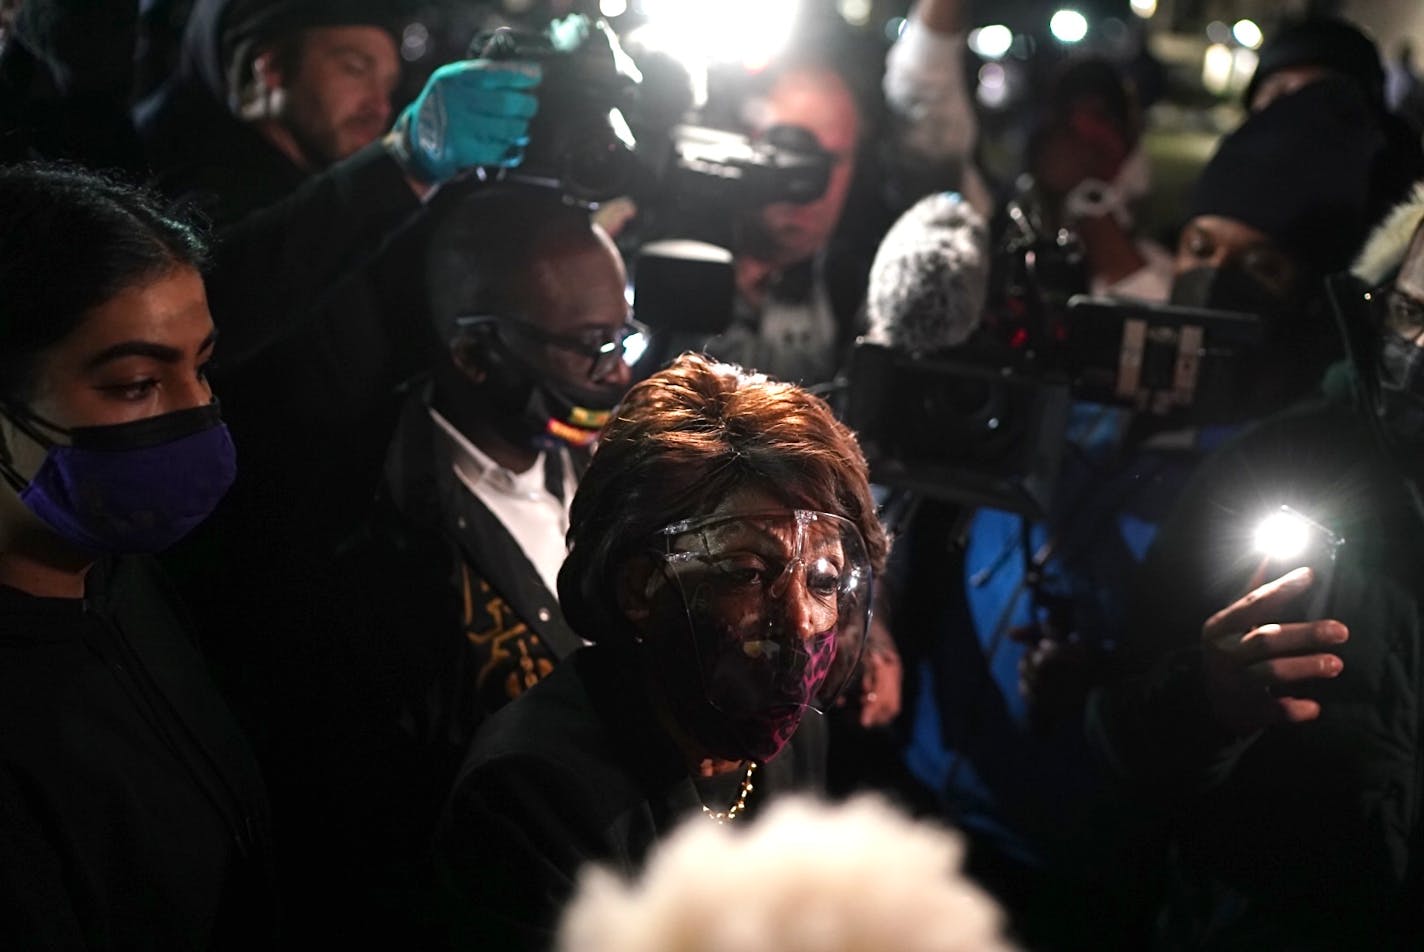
(777,605)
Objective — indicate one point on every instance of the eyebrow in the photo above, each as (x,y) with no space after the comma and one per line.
(143,348)
(366,58)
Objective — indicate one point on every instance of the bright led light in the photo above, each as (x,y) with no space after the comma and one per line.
(991,42)
(1144,8)
(613,8)
(1282,535)
(1068,26)
(1248,34)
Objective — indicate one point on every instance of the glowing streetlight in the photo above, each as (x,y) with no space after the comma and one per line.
(1217,64)
(991,42)
(993,92)
(1144,8)
(1068,26)
(1248,34)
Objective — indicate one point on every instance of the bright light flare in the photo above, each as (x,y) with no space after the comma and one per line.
(635,345)
(1144,8)
(1283,535)
(993,88)
(992,41)
(1248,34)
(700,32)
(1068,26)
(856,12)
(613,8)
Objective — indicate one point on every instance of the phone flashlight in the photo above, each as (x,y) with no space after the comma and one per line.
(1287,536)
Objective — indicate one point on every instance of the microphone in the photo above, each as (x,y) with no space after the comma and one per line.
(930,277)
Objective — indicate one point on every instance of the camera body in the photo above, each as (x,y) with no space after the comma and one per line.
(714,168)
(701,186)
(984,423)
(579,140)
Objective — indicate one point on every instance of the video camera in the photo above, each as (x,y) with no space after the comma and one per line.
(984,423)
(689,181)
(705,178)
(704,174)
(579,140)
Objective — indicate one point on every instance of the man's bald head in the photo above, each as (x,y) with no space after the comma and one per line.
(492,250)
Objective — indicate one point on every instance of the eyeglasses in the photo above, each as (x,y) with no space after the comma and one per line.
(605,348)
(753,559)
(1397,311)
(779,582)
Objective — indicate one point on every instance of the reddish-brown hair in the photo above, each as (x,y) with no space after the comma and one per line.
(682,441)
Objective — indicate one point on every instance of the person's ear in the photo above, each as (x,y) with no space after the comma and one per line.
(639,579)
(267,72)
(470,355)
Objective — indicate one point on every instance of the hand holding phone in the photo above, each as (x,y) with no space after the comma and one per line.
(1253,664)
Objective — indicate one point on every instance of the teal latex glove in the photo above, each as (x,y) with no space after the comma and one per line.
(471,113)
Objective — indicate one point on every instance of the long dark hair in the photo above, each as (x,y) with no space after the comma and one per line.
(70,240)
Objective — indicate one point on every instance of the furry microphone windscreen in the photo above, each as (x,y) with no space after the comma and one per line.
(930,277)
(804,877)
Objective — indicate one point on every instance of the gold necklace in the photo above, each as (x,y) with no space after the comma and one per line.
(740,804)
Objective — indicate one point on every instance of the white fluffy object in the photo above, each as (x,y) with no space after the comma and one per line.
(930,276)
(805,877)
(1384,250)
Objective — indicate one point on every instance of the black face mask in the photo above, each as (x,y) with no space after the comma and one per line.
(1225,289)
(1401,379)
(536,413)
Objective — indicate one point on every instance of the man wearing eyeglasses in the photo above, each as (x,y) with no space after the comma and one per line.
(444,607)
(457,576)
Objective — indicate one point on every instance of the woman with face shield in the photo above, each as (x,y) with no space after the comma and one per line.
(131,811)
(723,544)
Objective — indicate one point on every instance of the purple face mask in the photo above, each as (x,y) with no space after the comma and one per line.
(129,488)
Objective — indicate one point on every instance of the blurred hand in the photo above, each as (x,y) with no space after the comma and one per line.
(1249,661)
(471,113)
(1055,674)
(880,684)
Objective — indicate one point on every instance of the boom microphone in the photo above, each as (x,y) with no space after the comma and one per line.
(930,277)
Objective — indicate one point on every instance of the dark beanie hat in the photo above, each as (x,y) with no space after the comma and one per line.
(246,23)
(1323,41)
(1299,171)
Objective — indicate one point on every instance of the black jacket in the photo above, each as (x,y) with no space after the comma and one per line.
(1302,836)
(575,771)
(316,297)
(131,811)
(464,612)
(441,620)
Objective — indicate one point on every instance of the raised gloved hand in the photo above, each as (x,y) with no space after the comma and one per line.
(471,113)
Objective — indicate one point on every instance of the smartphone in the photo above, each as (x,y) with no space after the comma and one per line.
(1289,539)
